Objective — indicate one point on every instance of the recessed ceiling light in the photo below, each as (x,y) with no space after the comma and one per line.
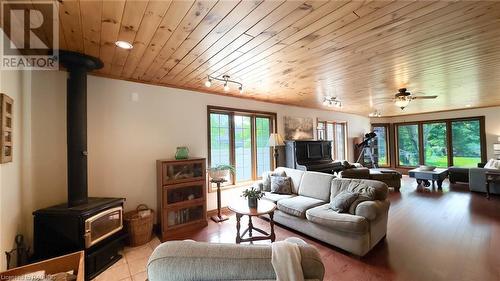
(468,105)
(124,45)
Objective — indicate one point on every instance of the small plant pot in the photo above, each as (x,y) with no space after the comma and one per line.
(252,202)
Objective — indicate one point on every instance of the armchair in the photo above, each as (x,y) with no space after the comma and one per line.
(477,180)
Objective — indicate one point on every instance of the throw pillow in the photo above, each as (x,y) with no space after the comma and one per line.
(366,194)
(281,185)
(266,179)
(343,201)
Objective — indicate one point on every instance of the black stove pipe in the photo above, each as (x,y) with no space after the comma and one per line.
(76,102)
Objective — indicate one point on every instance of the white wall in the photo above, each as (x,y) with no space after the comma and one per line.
(125,137)
(492,121)
(11,84)
(11,173)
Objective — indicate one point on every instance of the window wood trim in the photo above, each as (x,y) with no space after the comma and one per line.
(387,129)
(449,138)
(231,112)
(334,140)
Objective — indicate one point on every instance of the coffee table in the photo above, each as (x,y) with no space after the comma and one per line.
(438,175)
(264,207)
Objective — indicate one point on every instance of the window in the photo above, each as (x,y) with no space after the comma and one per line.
(219,139)
(408,145)
(243,148)
(262,133)
(240,138)
(336,132)
(381,145)
(466,139)
(435,144)
(441,143)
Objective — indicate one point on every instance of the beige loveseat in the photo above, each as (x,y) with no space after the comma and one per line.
(307,210)
(193,261)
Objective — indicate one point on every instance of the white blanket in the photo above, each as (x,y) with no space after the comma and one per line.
(286,261)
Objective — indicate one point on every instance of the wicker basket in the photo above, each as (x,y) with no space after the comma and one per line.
(139,228)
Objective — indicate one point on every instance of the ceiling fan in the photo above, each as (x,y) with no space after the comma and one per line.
(403,98)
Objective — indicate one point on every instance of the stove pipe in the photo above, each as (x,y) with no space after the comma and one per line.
(76,101)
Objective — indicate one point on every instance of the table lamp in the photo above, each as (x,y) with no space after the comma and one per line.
(275,140)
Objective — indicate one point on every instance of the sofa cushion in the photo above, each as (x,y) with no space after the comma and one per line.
(281,185)
(273,197)
(295,175)
(343,201)
(298,205)
(316,185)
(380,189)
(325,216)
(266,179)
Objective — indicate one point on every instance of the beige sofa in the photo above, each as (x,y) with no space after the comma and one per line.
(192,261)
(307,210)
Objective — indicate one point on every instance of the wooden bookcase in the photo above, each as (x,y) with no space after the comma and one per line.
(182,197)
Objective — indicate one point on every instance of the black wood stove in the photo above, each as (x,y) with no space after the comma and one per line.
(94,225)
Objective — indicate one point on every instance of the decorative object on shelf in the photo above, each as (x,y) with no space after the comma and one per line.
(225,80)
(332,102)
(220,172)
(299,128)
(252,195)
(182,153)
(182,206)
(496,148)
(275,140)
(6,114)
(139,225)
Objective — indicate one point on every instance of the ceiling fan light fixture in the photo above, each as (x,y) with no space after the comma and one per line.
(124,45)
(402,102)
(226,87)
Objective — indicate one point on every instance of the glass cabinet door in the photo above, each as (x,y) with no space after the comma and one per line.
(177,217)
(184,192)
(182,172)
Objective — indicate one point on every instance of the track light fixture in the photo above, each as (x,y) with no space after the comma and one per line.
(225,80)
(332,102)
(376,113)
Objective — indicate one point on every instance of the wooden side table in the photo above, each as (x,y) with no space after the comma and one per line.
(219,217)
(491,177)
(264,207)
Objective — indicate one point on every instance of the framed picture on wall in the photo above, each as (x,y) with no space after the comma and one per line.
(299,128)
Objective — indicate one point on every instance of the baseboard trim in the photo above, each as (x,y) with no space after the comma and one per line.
(223,210)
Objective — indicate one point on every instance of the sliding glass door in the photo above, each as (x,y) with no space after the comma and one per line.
(435,144)
(408,145)
(466,140)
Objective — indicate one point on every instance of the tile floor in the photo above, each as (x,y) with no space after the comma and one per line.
(132,267)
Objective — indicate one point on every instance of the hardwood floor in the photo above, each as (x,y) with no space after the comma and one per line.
(438,235)
(432,235)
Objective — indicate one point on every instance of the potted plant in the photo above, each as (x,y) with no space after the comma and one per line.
(253,195)
(220,172)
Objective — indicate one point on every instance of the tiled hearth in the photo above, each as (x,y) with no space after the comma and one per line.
(132,267)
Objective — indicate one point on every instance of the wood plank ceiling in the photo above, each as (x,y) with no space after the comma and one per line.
(296,52)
